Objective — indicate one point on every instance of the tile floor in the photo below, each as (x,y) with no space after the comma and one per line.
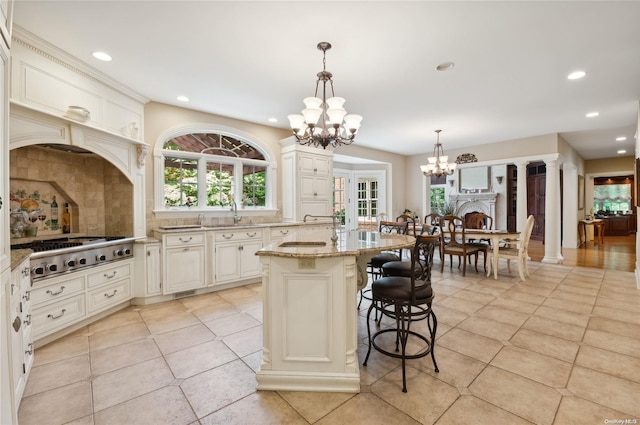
(561,348)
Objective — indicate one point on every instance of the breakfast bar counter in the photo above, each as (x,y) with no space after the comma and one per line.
(309,290)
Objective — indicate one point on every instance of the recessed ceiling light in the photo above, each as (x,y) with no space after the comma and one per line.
(183,98)
(593,114)
(576,75)
(622,151)
(272,119)
(621,139)
(105,57)
(445,66)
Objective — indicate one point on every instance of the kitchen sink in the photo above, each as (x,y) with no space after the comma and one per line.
(181,226)
(302,244)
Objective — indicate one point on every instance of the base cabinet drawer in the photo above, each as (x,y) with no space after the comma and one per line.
(53,317)
(109,295)
(57,291)
(108,275)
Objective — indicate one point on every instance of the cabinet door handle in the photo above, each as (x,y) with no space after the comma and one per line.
(27,321)
(30,350)
(55,293)
(251,235)
(186,241)
(284,232)
(112,276)
(186,249)
(240,248)
(112,295)
(27,296)
(227,237)
(51,316)
(26,271)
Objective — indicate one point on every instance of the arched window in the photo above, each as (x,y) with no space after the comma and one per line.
(211,171)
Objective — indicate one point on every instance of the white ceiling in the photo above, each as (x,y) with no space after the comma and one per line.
(255,60)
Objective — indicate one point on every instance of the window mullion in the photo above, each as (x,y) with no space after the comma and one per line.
(202,182)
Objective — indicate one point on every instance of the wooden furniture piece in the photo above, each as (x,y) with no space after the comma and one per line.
(514,250)
(433,222)
(411,223)
(406,299)
(536,193)
(598,230)
(453,241)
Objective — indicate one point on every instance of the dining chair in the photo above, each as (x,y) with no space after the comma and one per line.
(411,230)
(406,300)
(433,221)
(453,241)
(516,249)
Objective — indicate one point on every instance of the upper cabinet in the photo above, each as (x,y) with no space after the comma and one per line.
(6,14)
(49,80)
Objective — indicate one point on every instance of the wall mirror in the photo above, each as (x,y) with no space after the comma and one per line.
(474,179)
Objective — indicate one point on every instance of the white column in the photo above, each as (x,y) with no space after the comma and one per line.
(552,217)
(426,195)
(521,207)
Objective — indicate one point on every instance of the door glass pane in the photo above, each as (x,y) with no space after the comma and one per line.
(340,198)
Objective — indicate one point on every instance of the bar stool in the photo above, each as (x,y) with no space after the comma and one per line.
(406,300)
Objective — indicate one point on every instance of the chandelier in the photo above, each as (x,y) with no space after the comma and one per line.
(438,165)
(324,121)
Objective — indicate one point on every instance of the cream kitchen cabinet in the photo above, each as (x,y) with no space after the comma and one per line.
(148,282)
(277,234)
(183,261)
(307,183)
(21,335)
(234,254)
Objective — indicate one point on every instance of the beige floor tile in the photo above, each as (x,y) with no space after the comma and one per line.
(256,313)
(502,315)
(263,407)
(204,300)
(117,336)
(86,420)
(615,393)
(575,307)
(124,384)
(546,344)
(422,390)
(54,407)
(617,314)
(217,311)
(119,356)
(445,290)
(470,344)
(488,327)
(57,374)
(460,305)
(166,405)
(514,394)
(231,324)
(115,320)
(612,342)
(155,311)
(483,413)
(206,395)
(562,294)
(171,322)
(535,288)
(493,288)
(554,328)
(535,366)
(448,316)
(617,327)
(576,411)
(474,296)
(313,405)
(180,339)
(63,348)
(611,303)
(606,361)
(245,342)
(367,408)
(455,369)
(199,358)
(253,360)
(519,295)
(564,316)
(514,305)
(377,366)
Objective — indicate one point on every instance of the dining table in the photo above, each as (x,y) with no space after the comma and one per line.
(495,236)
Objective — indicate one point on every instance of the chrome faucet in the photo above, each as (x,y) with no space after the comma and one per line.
(334,219)
(234,208)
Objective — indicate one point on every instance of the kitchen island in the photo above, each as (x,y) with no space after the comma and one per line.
(309,308)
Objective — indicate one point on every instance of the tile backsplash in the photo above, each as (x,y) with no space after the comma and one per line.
(99,195)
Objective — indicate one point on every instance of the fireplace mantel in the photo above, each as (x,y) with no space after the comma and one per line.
(469,202)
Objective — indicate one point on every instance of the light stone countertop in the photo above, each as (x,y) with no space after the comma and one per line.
(354,242)
(18,255)
(240,226)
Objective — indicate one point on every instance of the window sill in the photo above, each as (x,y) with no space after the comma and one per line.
(194,212)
